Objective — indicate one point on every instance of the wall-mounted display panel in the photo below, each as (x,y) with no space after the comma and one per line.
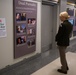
(25,22)
(70,11)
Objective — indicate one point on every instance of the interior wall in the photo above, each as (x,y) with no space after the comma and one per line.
(55,25)
(70,6)
(63,5)
(6,43)
(46,27)
(74,27)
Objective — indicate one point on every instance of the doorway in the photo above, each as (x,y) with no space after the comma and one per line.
(46,27)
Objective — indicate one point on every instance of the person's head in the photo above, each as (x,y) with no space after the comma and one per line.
(19,40)
(64,16)
(33,21)
(18,16)
(18,28)
(23,14)
(29,20)
(24,38)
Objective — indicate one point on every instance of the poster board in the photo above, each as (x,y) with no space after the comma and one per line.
(70,11)
(25,22)
(3,32)
(74,27)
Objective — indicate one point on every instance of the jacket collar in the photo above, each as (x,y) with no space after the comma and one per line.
(66,21)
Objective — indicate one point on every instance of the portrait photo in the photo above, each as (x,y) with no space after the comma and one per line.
(21,28)
(21,40)
(31,42)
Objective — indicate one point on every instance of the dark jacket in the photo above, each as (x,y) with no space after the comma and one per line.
(63,35)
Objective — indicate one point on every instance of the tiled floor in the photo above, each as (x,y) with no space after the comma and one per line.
(31,65)
(51,68)
(28,66)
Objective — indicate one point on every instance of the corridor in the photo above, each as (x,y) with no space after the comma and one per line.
(45,63)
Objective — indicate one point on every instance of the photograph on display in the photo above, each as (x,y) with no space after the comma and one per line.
(70,11)
(75,13)
(31,32)
(21,28)
(75,21)
(75,17)
(31,21)
(20,16)
(21,40)
(31,42)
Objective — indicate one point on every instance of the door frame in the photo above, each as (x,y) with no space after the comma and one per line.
(54,27)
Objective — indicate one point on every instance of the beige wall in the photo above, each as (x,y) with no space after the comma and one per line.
(6,43)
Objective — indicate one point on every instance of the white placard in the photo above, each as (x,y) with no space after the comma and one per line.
(3,32)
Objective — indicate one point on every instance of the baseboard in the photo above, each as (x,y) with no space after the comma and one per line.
(46,48)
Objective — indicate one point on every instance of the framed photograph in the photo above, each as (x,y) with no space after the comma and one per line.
(21,28)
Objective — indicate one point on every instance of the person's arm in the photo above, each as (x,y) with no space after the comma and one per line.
(60,33)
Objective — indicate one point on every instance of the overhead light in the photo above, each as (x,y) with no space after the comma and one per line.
(70,3)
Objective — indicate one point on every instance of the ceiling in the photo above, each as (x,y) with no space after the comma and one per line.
(73,1)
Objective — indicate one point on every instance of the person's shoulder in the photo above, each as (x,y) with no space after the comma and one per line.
(68,24)
(65,23)
(60,25)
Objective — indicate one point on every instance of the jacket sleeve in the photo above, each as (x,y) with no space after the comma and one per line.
(60,33)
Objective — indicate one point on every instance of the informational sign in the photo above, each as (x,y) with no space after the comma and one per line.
(75,17)
(70,11)
(74,27)
(25,20)
(3,27)
(72,19)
